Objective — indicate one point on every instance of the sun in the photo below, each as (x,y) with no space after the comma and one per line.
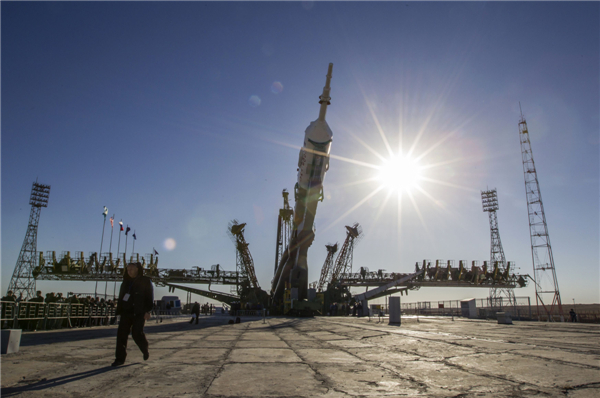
(400,174)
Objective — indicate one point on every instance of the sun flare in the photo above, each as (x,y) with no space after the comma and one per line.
(400,174)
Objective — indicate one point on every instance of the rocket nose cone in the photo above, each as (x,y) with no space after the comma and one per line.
(319,132)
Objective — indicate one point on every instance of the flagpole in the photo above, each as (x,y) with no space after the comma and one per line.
(101,242)
(109,249)
(126,236)
(118,248)
(120,230)
(111,233)
(134,239)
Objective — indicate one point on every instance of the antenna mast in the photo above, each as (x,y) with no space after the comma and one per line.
(546,284)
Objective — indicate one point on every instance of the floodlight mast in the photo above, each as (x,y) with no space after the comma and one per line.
(489,201)
(22,280)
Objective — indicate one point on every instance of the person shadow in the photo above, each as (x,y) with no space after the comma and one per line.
(57,381)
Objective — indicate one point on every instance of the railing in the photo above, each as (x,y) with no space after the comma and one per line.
(34,315)
(486,308)
(249,313)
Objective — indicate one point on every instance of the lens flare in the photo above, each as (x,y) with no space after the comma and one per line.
(254,101)
(169,244)
(276,87)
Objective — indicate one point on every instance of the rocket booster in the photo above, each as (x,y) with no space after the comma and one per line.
(313,163)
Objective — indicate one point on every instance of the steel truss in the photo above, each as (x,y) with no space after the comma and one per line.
(327,269)
(343,262)
(244,263)
(546,285)
(22,280)
(489,200)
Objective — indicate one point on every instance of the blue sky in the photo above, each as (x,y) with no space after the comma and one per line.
(167,114)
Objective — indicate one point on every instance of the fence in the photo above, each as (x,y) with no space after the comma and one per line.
(486,307)
(249,313)
(33,315)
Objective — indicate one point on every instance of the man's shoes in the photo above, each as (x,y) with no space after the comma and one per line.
(146,355)
(117,363)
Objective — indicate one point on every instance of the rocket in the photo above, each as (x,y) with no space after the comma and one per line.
(313,163)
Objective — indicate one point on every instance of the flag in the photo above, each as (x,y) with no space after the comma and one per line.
(121,224)
(105,212)
(127,230)
(155,252)
(134,236)
(112,221)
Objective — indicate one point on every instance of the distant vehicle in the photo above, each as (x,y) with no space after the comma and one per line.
(173,301)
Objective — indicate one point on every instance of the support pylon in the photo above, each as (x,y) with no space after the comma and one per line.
(22,280)
(343,262)
(327,269)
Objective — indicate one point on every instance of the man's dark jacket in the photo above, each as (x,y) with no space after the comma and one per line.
(140,291)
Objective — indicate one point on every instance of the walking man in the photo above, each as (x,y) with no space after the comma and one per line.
(195,311)
(136,298)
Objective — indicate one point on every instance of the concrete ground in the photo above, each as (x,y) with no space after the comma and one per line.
(329,357)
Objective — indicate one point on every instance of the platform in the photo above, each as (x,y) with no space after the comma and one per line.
(329,357)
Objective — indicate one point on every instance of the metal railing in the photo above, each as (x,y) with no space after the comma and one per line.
(34,315)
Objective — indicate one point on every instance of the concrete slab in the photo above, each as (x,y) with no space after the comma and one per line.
(221,337)
(327,356)
(564,356)
(529,370)
(326,336)
(321,357)
(262,355)
(261,344)
(260,336)
(376,354)
(364,380)
(194,356)
(170,381)
(249,380)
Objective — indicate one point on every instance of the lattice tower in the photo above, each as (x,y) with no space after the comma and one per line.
(243,259)
(489,201)
(284,227)
(343,262)
(546,285)
(22,280)
(327,269)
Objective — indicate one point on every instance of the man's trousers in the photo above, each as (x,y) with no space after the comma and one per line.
(135,325)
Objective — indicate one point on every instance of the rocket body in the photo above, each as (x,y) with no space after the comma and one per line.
(313,163)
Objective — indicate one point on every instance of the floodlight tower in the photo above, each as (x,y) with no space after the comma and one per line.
(544,274)
(22,280)
(489,200)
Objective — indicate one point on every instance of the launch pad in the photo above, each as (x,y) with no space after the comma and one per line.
(289,290)
(325,356)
